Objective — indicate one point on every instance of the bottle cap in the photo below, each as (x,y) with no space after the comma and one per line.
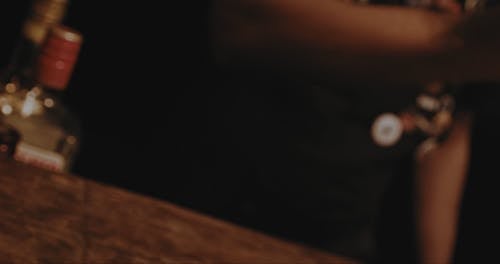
(58,57)
(44,14)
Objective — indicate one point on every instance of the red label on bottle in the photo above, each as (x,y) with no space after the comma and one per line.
(58,57)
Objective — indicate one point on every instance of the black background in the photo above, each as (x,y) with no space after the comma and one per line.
(140,88)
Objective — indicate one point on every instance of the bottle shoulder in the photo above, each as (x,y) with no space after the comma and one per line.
(38,107)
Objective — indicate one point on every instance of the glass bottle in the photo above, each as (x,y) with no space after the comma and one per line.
(42,15)
(50,131)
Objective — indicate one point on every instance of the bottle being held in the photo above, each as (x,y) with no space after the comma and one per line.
(50,131)
(42,15)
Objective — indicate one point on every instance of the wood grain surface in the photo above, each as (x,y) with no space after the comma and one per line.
(54,218)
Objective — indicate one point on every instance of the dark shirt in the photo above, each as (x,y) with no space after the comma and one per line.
(292,159)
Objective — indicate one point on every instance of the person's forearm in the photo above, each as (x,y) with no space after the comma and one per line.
(328,39)
(440,180)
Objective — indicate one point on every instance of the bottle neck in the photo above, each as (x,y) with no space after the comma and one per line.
(56,60)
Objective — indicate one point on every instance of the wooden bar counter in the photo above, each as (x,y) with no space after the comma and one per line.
(54,218)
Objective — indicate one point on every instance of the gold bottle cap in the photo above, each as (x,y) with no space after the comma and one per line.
(44,14)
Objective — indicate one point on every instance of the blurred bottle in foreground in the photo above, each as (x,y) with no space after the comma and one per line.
(42,15)
(50,131)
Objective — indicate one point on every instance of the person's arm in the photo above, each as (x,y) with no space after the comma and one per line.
(330,40)
(440,180)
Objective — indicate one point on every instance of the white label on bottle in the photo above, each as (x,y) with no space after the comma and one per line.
(39,157)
